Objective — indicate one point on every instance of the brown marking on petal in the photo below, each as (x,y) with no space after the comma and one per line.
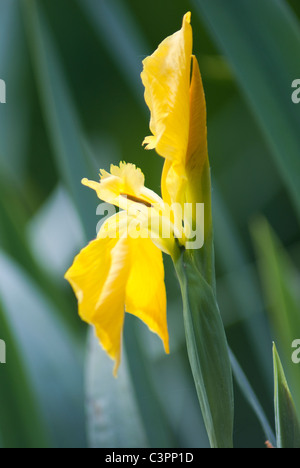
(136,200)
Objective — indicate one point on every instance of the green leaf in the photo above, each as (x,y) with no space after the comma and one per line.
(287,422)
(13,218)
(113,419)
(249,394)
(52,359)
(242,283)
(16,113)
(208,352)
(156,422)
(121,36)
(280,285)
(22,424)
(60,115)
(172,383)
(259,39)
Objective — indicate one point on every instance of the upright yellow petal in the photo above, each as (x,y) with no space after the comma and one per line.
(175,96)
(164,186)
(166,77)
(173,182)
(197,153)
(145,290)
(197,169)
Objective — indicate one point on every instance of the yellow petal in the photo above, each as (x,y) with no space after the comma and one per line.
(109,273)
(115,226)
(124,187)
(109,324)
(98,277)
(198,189)
(174,186)
(197,153)
(164,186)
(166,77)
(145,290)
(174,182)
(122,179)
(145,214)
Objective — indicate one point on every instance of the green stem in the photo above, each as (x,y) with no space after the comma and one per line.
(207,350)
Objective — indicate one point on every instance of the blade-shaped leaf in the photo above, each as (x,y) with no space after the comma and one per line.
(59,112)
(208,352)
(259,39)
(251,397)
(113,417)
(15,114)
(156,422)
(22,424)
(121,36)
(13,239)
(246,297)
(287,422)
(280,286)
(53,358)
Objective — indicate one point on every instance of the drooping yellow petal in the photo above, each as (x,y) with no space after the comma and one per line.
(145,290)
(108,274)
(166,77)
(98,277)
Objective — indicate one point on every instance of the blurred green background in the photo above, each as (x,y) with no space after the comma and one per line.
(75,105)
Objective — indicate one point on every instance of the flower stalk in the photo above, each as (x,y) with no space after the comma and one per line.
(207,350)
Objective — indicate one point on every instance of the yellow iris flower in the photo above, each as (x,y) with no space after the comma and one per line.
(122,270)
